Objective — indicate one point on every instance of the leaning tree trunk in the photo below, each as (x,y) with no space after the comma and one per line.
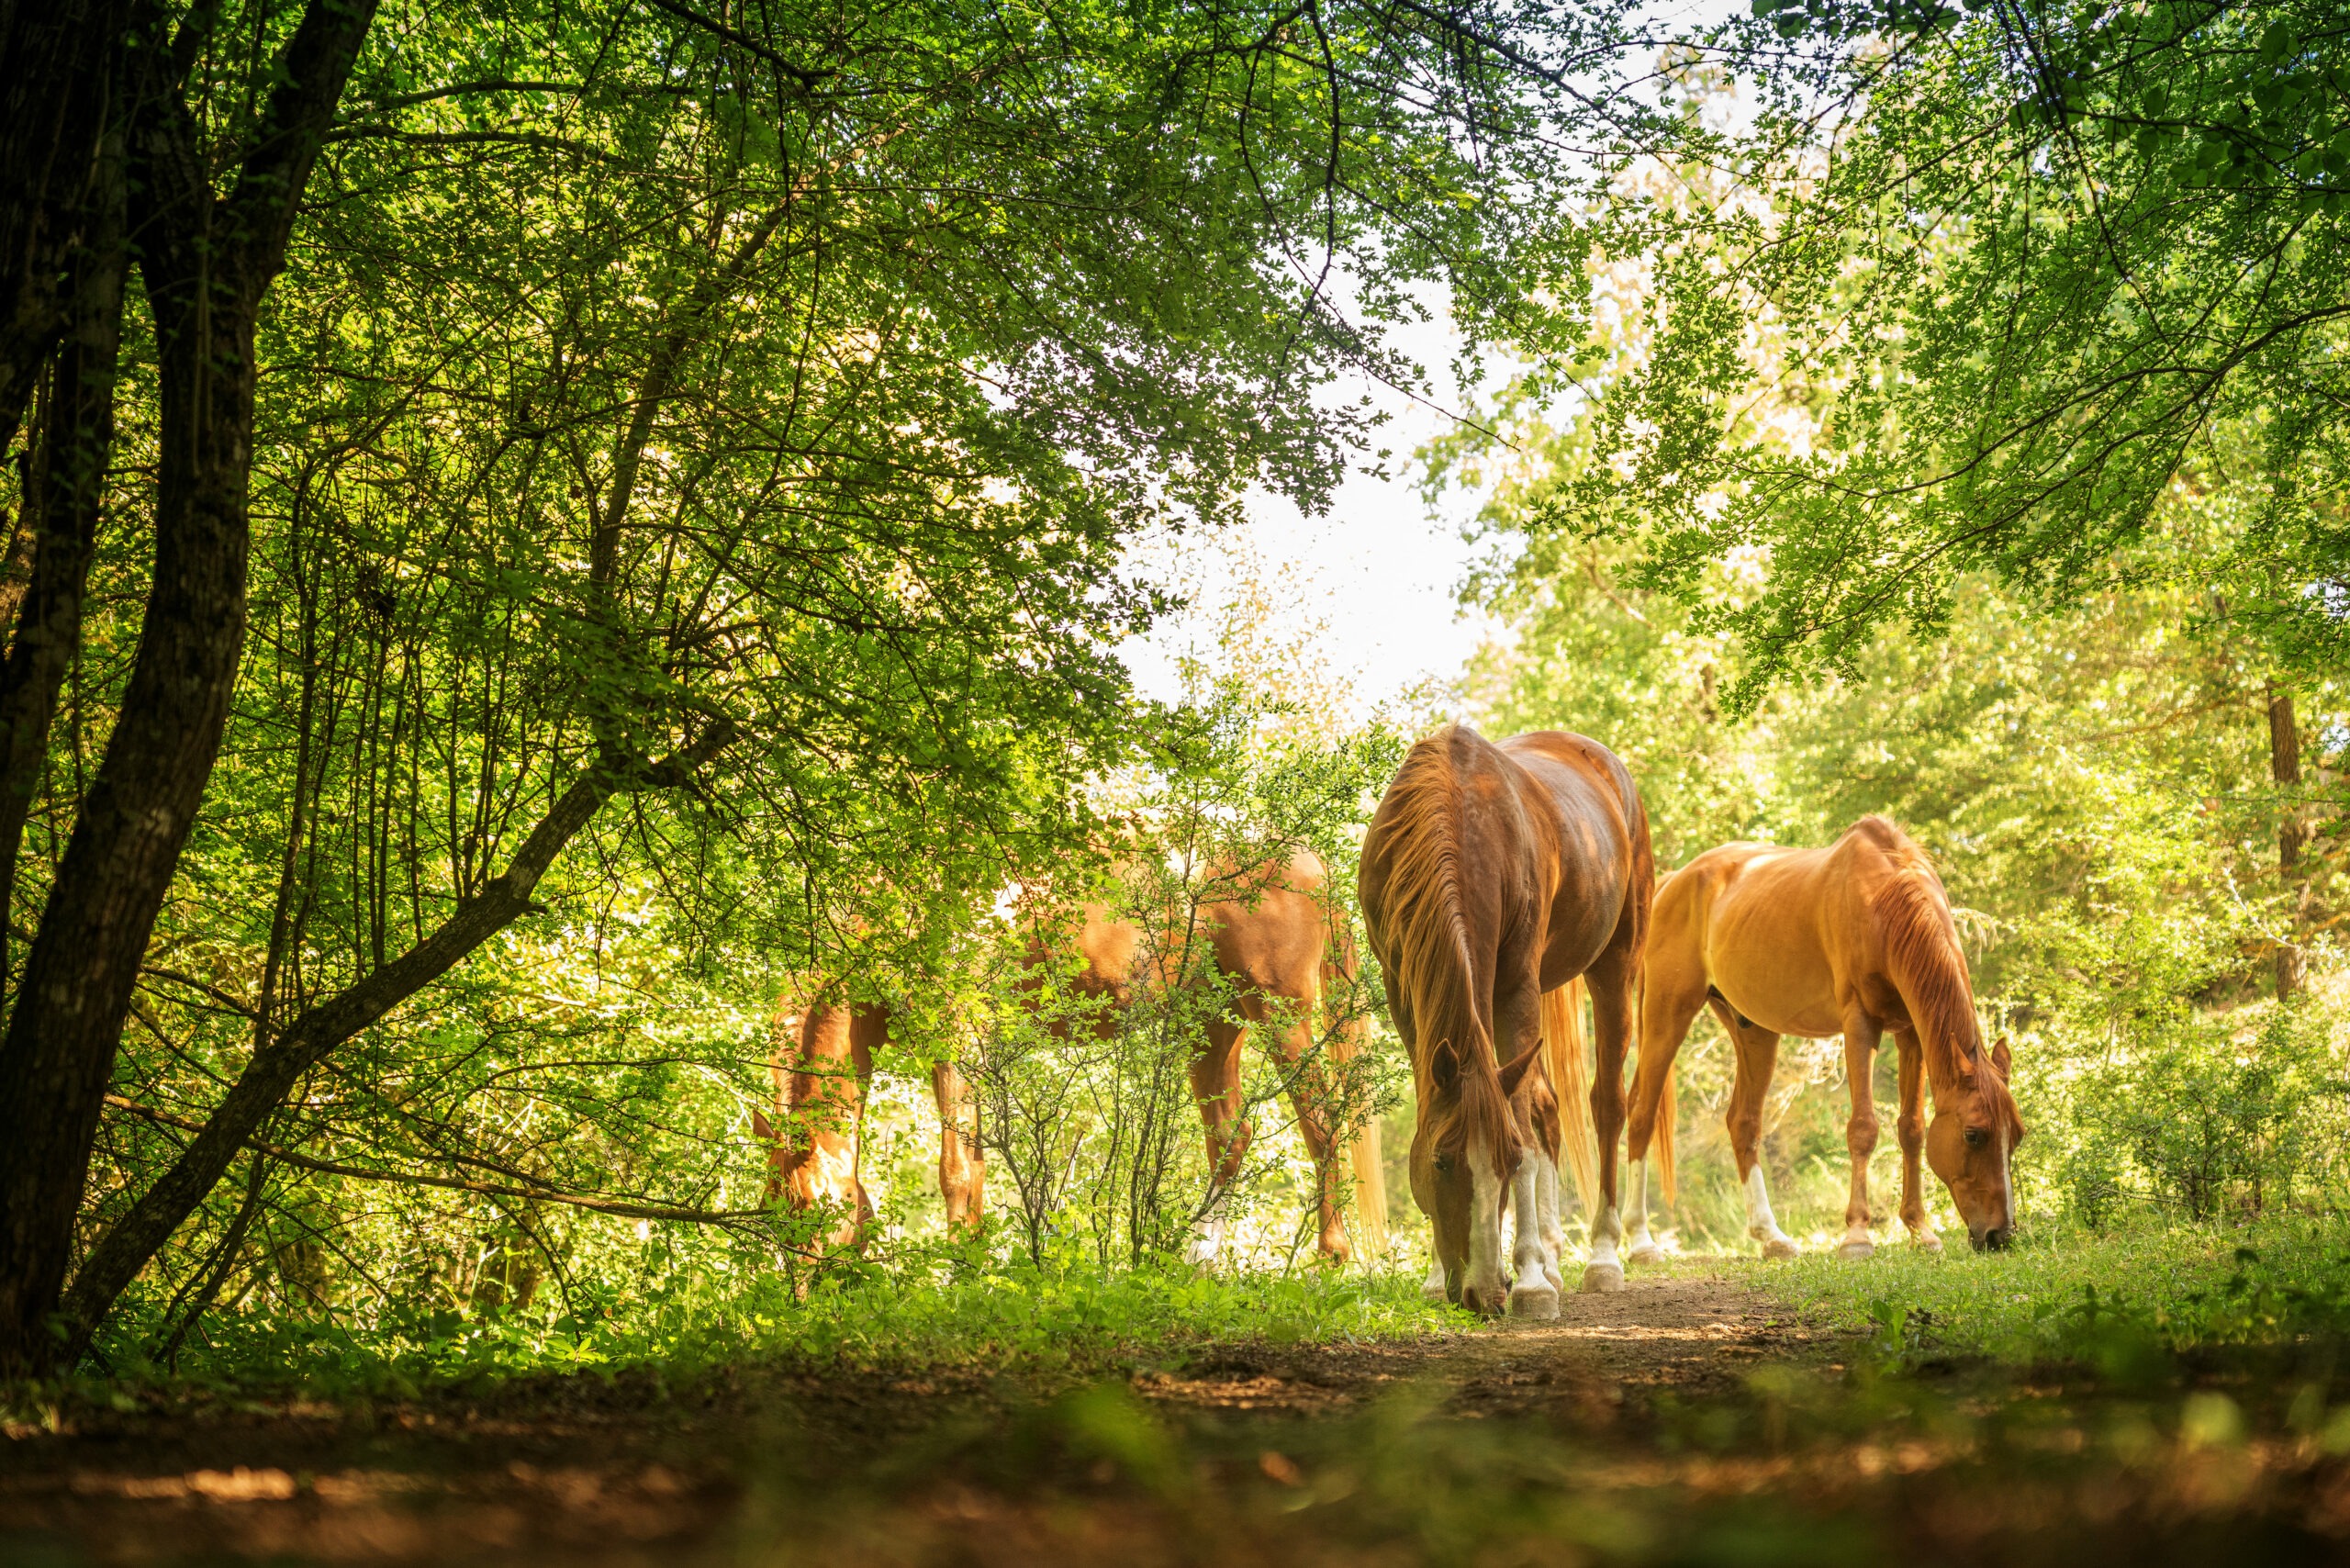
(206,263)
(2292,833)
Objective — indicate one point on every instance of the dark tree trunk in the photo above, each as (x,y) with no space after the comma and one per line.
(59,75)
(61,512)
(2292,833)
(207,263)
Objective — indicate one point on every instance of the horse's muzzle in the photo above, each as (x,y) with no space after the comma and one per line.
(1994,1239)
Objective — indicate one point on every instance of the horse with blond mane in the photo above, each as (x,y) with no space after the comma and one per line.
(1856,939)
(1273,949)
(1493,876)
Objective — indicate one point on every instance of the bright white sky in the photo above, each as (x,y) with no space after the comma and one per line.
(1377,572)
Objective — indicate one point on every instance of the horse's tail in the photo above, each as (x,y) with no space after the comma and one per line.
(1363,1154)
(1428,955)
(1562,1046)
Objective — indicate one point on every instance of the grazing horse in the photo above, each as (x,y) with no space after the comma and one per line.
(1273,946)
(1494,874)
(823,1063)
(1856,939)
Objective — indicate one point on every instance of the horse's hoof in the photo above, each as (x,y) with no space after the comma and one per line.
(1534,1301)
(1779,1249)
(1556,1283)
(1929,1242)
(1602,1277)
(1856,1250)
(1433,1295)
(1645,1252)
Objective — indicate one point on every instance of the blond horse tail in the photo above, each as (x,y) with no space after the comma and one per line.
(1361,1139)
(1563,1049)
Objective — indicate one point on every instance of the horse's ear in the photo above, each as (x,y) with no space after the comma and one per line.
(761,1125)
(1444,1067)
(2004,1059)
(1515,1072)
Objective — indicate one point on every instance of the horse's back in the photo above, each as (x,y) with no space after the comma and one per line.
(1272,933)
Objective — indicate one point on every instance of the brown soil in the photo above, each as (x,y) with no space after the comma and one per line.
(582,1470)
(1685,1420)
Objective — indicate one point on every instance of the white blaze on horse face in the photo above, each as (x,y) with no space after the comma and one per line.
(1760,1223)
(1533,1295)
(1208,1245)
(1484,1278)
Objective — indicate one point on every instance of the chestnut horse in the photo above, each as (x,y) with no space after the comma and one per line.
(1494,874)
(1856,939)
(822,1065)
(1274,947)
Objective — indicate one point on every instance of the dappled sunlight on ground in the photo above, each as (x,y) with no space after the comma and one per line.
(1690,1418)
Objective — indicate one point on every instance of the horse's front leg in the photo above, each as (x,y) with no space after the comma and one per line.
(1912,1128)
(1533,1294)
(1860,1038)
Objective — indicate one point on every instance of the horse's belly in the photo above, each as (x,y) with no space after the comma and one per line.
(1772,971)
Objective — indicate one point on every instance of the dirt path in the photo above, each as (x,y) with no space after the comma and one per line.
(580,1470)
(1693,1337)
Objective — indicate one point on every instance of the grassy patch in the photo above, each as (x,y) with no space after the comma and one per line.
(2067,1293)
(948,1315)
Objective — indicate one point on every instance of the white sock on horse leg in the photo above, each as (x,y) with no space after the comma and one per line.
(1208,1245)
(1606,1269)
(1641,1246)
(1532,1296)
(1432,1291)
(1554,1238)
(1760,1223)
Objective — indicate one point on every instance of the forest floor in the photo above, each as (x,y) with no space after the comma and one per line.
(1689,1419)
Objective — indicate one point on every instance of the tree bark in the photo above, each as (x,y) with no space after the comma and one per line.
(309,1037)
(206,261)
(2292,833)
(62,511)
(58,78)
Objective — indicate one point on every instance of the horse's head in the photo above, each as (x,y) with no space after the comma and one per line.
(1461,1152)
(1970,1142)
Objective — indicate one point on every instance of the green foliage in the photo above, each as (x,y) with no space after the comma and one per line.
(2020,272)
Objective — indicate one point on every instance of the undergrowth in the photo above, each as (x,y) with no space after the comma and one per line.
(952,1311)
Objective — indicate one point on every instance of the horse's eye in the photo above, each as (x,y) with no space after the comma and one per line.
(1444,1164)
(1977,1137)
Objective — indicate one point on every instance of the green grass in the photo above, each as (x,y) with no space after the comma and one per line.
(952,1313)
(2066,1293)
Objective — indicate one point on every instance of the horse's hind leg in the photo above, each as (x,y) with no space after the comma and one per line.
(962,1161)
(1666,1013)
(1758,1057)
(1315,1103)
(1610,981)
(1860,1038)
(1215,1085)
(1912,1128)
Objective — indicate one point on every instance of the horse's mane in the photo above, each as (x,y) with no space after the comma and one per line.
(1922,951)
(1429,954)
